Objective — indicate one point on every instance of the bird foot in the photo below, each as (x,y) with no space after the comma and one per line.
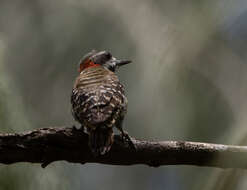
(125,136)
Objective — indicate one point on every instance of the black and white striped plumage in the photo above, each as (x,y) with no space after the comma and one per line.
(99,104)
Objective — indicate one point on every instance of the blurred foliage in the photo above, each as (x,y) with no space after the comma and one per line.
(4,118)
(187,81)
(201,121)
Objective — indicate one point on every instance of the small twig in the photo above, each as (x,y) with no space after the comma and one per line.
(47,145)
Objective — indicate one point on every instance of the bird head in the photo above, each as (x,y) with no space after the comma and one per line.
(101,58)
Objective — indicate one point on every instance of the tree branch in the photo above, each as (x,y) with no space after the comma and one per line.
(47,145)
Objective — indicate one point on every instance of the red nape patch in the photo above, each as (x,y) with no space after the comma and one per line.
(87,64)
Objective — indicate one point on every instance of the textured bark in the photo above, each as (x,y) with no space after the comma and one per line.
(47,145)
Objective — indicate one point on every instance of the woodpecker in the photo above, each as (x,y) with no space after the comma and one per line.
(98,100)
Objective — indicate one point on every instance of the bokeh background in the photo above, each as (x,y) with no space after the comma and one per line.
(188,81)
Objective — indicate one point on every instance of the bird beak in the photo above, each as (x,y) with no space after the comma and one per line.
(122,62)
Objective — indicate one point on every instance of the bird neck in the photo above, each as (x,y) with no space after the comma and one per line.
(94,76)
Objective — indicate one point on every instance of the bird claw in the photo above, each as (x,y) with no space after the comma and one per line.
(125,136)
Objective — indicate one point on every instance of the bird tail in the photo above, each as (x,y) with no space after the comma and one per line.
(100,140)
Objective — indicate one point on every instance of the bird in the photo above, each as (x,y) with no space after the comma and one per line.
(98,100)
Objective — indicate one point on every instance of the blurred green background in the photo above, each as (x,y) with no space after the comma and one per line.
(188,81)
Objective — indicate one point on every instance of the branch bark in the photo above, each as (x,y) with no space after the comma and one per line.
(47,145)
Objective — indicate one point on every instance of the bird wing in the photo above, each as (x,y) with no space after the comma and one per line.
(99,103)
